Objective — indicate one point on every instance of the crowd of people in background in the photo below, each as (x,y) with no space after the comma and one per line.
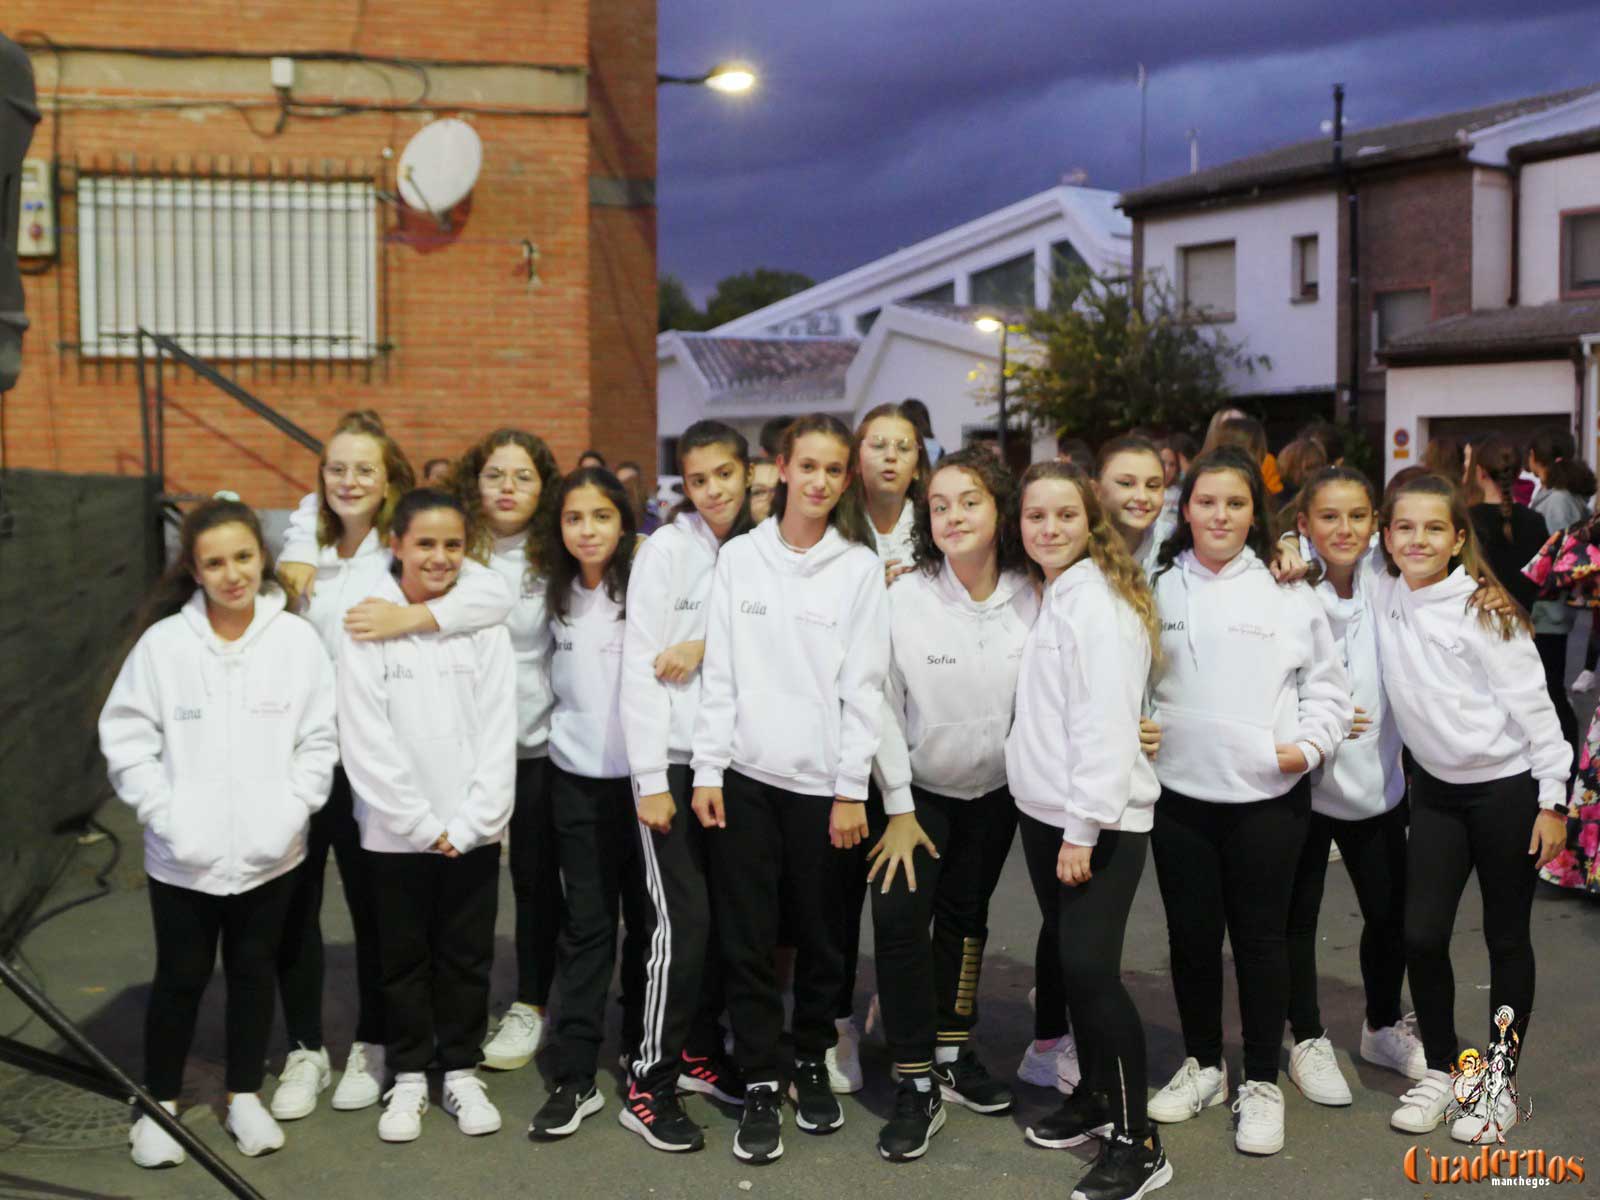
(857,666)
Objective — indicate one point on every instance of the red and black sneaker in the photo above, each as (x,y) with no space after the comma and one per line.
(714,1076)
(659,1119)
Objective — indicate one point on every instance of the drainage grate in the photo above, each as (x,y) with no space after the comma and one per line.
(48,1115)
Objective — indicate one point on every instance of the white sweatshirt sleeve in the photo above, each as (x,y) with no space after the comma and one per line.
(861,678)
(892,766)
(367,746)
(132,739)
(1102,721)
(480,598)
(719,710)
(300,541)
(645,703)
(316,742)
(1327,710)
(1516,677)
(490,793)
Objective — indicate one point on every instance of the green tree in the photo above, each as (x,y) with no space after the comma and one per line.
(1106,365)
(674,309)
(749,290)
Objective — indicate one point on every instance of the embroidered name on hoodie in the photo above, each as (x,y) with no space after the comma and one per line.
(1255,631)
(821,620)
(269,708)
(397,671)
(941,660)
(1172,626)
(188,714)
(686,605)
(566,645)
(753,608)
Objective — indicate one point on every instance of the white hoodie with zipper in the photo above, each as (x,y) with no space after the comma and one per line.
(1471,706)
(428,729)
(668,586)
(1247,664)
(797,649)
(223,749)
(952,685)
(529,626)
(1073,758)
(586,679)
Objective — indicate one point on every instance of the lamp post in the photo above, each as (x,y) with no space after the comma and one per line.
(731,78)
(988,324)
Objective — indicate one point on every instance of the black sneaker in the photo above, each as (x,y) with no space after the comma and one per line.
(659,1119)
(1082,1115)
(918,1115)
(561,1115)
(713,1075)
(815,1108)
(966,1082)
(760,1136)
(1125,1170)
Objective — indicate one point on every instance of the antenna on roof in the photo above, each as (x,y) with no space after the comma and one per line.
(1194,151)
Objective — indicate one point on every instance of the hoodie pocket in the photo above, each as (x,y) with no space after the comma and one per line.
(196,828)
(1218,758)
(271,825)
(784,734)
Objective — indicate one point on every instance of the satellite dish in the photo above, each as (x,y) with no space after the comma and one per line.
(439,166)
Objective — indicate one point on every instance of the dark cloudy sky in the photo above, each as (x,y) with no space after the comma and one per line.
(880,122)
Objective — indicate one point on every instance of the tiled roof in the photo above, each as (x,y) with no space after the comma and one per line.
(786,368)
(1385,144)
(1488,333)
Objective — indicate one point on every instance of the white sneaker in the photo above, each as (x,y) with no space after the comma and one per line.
(844,1058)
(1189,1091)
(306,1075)
(1474,1126)
(1259,1109)
(1315,1071)
(152,1146)
(1068,1070)
(1584,682)
(1396,1047)
(1038,1067)
(464,1099)
(252,1126)
(406,1101)
(362,1081)
(1423,1107)
(517,1040)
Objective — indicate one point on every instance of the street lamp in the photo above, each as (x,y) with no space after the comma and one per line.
(731,78)
(991,325)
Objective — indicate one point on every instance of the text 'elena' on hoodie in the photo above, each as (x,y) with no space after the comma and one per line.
(952,685)
(1471,705)
(428,730)
(797,648)
(223,749)
(1248,664)
(1073,758)
(668,586)
(586,677)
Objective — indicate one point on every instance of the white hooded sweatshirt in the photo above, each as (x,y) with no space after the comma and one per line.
(667,591)
(428,729)
(797,648)
(223,749)
(952,685)
(479,599)
(898,543)
(1073,758)
(529,626)
(1247,664)
(1470,705)
(586,678)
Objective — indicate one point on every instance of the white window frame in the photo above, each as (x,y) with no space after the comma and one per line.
(1194,311)
(1298,248)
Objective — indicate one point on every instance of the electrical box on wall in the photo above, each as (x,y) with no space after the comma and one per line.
(36,237)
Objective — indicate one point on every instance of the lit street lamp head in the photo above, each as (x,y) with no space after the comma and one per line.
(987,325)
(730,78)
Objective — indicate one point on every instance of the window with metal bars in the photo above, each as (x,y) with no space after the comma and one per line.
(273,268)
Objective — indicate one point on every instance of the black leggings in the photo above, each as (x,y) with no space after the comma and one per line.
(1552,649)
(1374,852)
(300,954)
(535,881)
(1456,827)
(188,925)
(1088,924)
(1229,868)
(928,984)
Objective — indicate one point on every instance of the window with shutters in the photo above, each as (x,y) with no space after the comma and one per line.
(1303,266)
(1580,253)
(1207,277)
(1399,312)
(266,268)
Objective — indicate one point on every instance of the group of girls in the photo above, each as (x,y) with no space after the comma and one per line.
(726,734)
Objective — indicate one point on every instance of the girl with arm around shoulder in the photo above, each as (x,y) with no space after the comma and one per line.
(219,732)
(1468,694)
(1087,793)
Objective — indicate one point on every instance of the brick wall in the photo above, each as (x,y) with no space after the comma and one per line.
(474,346)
